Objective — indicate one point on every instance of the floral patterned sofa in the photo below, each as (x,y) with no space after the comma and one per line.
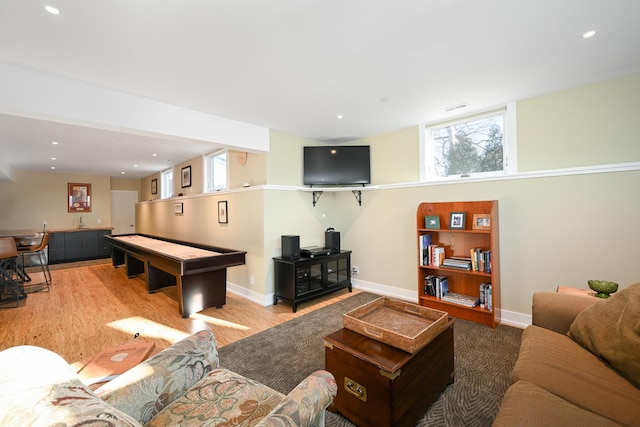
(181,385)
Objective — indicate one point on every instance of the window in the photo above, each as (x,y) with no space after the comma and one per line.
(470,147)
(215,166)
(166,184)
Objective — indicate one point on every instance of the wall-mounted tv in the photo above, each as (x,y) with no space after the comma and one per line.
(337,165)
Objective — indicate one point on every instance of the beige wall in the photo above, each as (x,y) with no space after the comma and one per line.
(126,184)
(284,161)
(553,229)
(253,172)
(199,223)
(145,188)
(585,126)
(34,197)
(394,156)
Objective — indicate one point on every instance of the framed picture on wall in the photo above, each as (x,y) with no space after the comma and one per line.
(79,197)
(154,186)
(223,217)
(186,176)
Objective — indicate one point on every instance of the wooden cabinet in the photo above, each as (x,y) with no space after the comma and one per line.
(303,279)
(77,245)
(81,245)
(56,248)
(481,236)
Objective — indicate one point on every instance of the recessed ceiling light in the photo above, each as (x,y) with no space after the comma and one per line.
(384,99)
(135,166)
(123,172)
(52,10)
(53,167)
(54,142)
(589,34)
(154,154)
(53,158)
(340,116)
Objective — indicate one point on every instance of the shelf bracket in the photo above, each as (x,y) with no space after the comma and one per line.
(358,195)
(316,197)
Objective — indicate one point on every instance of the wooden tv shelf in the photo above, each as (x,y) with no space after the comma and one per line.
(458,243)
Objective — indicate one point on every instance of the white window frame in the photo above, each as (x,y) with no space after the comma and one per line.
(210,185)
(166,184)
(509,145)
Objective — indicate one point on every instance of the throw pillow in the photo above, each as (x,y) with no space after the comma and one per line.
(610,329)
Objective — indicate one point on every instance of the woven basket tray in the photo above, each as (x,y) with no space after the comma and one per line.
(403,325)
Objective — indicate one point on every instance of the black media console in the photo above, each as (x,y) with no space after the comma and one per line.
(303,279)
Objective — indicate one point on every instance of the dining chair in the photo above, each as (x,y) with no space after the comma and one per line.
(10,286)
(37,249)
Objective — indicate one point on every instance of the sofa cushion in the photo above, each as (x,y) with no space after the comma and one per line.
(39,388)
(610,329)
(223,398)
(559,365)
(145,389)
(527,404)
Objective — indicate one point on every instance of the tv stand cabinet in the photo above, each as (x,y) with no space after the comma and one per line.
(304,279)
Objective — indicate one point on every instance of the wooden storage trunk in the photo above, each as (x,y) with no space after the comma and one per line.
(383,386)
(400,324)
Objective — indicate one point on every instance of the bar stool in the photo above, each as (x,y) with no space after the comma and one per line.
(37,249)
(10,287)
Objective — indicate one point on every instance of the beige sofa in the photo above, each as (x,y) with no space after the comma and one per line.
(579,363)
(182,385)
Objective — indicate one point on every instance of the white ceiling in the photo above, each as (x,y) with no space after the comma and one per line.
(294,65)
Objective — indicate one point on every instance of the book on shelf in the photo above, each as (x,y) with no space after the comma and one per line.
(466,300)
(436,286)
(429,287)
(457,262)
(481,260)
(113,361)
(430,254)
(425,242)
(442,285)
(485,296)
(436,255)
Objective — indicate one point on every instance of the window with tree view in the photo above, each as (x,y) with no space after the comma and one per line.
(466,148)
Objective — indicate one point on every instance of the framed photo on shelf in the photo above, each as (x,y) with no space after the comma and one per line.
(186,176)
(154,186)
(481,222)
(457,220)
(432,221)
(178,208)
(79,197)
(223,217)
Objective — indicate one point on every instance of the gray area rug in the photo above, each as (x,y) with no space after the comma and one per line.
(284,355)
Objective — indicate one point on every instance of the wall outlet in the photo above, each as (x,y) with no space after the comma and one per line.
(355,269)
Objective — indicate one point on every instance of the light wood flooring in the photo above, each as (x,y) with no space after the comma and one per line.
(96,306)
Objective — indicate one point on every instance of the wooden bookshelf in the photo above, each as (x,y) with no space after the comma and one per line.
(459,243)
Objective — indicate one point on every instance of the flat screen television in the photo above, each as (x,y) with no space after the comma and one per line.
(337,165)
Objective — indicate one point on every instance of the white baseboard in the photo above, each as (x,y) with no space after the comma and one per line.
(258,298)
(508,318)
